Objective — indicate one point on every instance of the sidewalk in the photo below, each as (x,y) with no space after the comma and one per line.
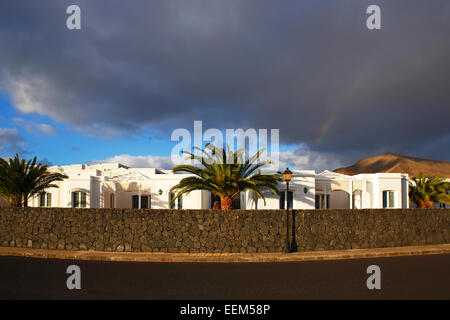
(225,257)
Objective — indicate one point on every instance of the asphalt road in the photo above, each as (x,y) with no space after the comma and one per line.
(409,277)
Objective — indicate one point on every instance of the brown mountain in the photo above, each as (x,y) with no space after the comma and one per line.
(396,163)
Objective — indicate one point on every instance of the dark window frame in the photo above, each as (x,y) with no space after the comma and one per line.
(145,201)
(282,198)
(388,197)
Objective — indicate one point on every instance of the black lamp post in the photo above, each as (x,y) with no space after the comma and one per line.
(287,175)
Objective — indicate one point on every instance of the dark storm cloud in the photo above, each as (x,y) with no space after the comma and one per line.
(310,68)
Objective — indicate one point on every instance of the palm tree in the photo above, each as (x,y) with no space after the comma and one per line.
(425,190)
(225,174)
(20,180)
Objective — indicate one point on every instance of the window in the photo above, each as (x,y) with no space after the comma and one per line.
(111,200)
(171,196)
(215,199)
(49,200)
(443,205)
(237,202)
(79,199)
(320,201)
(135,202)
(45,199)
(145,202)
(42,199)
(283,199)
(178,202)
(388,199)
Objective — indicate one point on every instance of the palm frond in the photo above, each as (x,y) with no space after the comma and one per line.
(225,173)
(20,180)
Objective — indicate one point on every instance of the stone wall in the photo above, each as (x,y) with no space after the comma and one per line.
(371,228)
(219,231)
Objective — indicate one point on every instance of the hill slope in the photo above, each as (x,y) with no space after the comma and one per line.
(396,163)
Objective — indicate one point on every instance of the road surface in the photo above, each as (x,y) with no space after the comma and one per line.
(408,277)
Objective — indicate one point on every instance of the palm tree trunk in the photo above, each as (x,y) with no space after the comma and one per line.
(421,204)
(226,203)
(425,204)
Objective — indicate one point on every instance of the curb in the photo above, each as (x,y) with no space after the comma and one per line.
(225,257)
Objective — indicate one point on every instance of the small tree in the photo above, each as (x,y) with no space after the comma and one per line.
(425,190)
(20,180)
(225,174)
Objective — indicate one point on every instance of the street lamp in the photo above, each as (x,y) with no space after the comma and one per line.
(287,175)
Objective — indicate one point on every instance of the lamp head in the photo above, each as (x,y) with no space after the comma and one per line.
(287,175)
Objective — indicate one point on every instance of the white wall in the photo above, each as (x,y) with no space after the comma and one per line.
(301,200)
(89,179)
(378,182)
(390,184)
(164,182)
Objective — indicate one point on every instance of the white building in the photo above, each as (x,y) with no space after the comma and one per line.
(113,185)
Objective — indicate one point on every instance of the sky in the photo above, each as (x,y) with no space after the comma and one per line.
(137,70)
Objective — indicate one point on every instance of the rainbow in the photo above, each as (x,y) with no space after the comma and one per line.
(328,124)
(347,94)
